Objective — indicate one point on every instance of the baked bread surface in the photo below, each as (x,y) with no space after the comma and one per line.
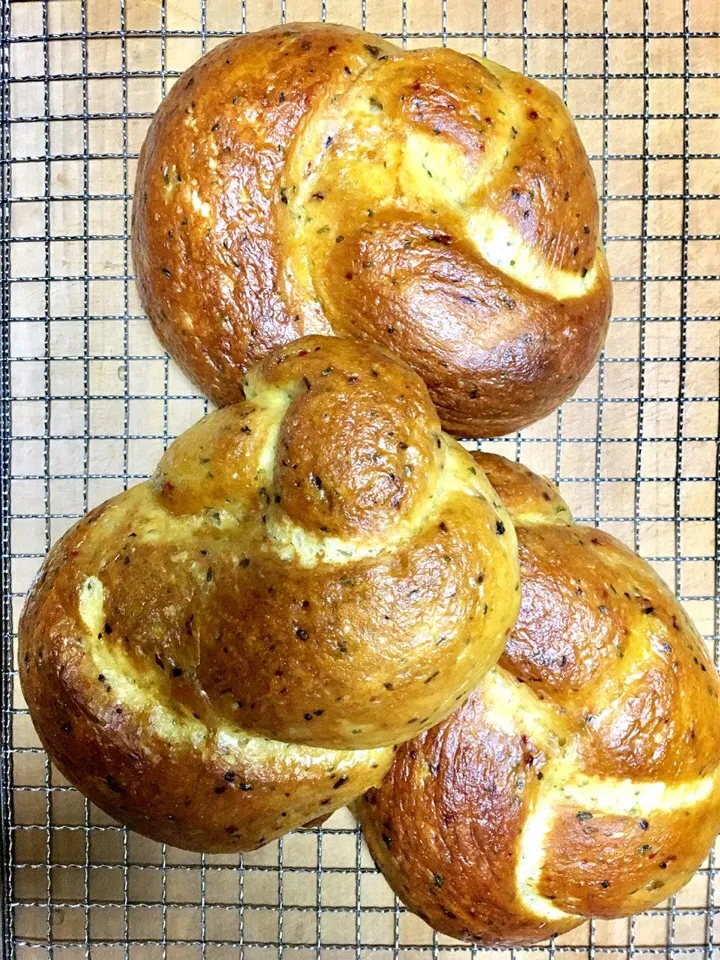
(312,178)
(233,648)
(580,779)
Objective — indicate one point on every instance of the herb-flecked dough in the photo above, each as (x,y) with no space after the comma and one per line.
(582,777)
(312,178)
(233,648)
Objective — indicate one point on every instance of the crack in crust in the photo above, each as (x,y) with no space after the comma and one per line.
(233,648)
(582,777)
(315,179)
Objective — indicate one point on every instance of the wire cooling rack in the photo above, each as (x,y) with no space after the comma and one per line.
(89,401)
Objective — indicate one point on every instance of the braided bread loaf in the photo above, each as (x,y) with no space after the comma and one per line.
(581,778)
(231,649)
(315,179)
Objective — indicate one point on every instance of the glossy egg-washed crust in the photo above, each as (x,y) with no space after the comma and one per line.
(315,179)
(581,778)
(232,649)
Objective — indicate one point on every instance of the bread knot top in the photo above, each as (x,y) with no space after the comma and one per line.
(316,179)
(582,777)
(310,577)
(334,443)
(360,448)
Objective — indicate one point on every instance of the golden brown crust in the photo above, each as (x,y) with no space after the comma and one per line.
(214,658)
(313,178)
(393,436)
(581,778)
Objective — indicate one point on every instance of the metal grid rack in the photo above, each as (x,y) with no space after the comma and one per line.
(89,401)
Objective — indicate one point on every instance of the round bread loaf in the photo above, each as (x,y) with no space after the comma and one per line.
(231,649)
(581,778)
(316,179)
